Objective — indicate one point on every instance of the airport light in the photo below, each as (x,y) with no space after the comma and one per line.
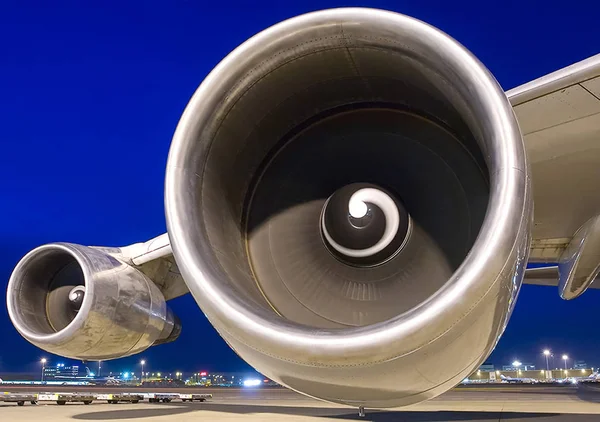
(251,383)
(99,367)
(142,362)
(516,364)
(547,353)
(43,367)
(565,358)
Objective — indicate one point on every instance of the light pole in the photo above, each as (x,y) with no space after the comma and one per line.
(565,358)
(547,353)
(99,367)
(142,362)
(43,367)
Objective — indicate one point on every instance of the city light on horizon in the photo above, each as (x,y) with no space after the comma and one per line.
(520,364)
(523,366)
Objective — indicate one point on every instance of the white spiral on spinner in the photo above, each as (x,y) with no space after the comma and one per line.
(76,293)
(358,208)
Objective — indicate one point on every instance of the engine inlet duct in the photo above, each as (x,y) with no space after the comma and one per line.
(348,199)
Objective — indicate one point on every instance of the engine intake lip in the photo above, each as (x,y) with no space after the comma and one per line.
(21,279)
(490,118)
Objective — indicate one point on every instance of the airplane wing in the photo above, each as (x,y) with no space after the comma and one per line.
(155,259)
(559,115)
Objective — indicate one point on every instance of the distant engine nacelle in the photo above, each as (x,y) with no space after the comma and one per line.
(82,303)
(348,200)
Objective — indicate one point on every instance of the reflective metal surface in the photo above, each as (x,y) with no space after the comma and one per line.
(559,116)
(82,303)
(302,109)
(571,75)
(580,263)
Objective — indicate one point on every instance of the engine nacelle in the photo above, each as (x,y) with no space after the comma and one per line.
(348,200)
(82,303)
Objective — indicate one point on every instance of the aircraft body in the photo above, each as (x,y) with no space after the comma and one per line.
(108,381)
(593,377)
(511,380)
(384,275)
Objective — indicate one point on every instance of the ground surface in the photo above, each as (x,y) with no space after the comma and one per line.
(500,403)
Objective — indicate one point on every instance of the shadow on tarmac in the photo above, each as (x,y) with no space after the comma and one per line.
(332,413)
(589,393)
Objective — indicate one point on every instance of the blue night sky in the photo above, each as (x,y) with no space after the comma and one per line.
(92,92)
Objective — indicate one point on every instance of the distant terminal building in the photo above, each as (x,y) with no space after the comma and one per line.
(519,367)
(487,367)
(481,376)
(580,364)
(62,372)
(227,379)
(202,379)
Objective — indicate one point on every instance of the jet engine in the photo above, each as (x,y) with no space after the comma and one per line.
(348,200)
(83,303)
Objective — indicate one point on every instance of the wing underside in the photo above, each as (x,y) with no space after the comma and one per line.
(559,115)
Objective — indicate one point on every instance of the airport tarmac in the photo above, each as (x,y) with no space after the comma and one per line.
(485,404)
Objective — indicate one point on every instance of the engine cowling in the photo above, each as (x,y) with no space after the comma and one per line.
(348,199)
(82,303)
